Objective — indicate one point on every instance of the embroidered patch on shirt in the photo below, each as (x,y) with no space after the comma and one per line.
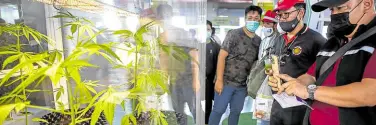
(297,50)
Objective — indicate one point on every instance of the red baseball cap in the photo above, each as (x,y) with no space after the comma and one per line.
(270,17)
(287,4)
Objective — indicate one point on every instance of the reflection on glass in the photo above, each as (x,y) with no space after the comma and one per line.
(156,64)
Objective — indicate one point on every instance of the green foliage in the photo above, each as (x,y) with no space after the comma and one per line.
(6,109)
(36,67)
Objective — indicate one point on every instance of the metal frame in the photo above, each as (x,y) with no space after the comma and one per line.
(52,26)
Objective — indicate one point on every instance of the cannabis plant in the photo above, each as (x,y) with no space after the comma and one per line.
(147,79)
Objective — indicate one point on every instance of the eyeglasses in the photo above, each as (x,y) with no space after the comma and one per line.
(284,15)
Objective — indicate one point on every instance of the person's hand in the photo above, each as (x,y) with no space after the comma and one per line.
(196,86)
(269,72)
(219,86)
(294,86)
(273,82)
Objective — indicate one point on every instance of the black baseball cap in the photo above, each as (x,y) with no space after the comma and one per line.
(325,4)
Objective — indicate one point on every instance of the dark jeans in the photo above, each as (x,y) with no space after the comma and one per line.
(180,94)
(233,95)
(288,116)
(209,97)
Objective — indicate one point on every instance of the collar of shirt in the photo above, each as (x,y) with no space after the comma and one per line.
(302,31)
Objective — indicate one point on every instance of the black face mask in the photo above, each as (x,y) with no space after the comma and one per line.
(340,24)
(289,26)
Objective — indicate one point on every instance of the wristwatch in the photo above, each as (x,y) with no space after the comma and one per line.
(311,91)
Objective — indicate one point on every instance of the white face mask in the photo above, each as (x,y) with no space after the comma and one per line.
(267,31)
(280,30)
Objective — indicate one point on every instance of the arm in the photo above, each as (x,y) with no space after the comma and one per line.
(357,94)
(217,48)
(221,64)
(195,70)
(307,79)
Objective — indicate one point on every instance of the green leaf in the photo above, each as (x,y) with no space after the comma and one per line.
(5,111)
(11,59)
(133,119)
(82,120)
(78,63)
(39,120)
(26,34)
(97,112)
(39,73)
(109,111)
(73,28)
(124,33)
(125,120)
(94,36)
(61,106)
(75,74)
(122,104)
(20,106)
(60,91)
(109,50)
(36,37)
(18,68)
(55,72)
(91,89)
(93,100)
(69,37)
(7,52)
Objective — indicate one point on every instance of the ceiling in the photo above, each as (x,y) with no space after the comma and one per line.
(231,1)
(232,4)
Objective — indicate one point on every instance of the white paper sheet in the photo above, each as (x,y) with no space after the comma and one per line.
(287,101)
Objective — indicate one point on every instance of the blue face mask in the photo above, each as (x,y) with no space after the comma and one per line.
(252,25)
(208,35)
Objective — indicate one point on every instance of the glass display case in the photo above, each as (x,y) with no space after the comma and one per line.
(105,49)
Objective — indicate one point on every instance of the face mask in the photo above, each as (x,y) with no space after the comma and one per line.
(280,30)
(340,24)
(289,26)
(208,35)
(252,26)
(267,31)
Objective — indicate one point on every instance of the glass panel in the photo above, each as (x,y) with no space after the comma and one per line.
(32,15)
(19,18)
(159,66)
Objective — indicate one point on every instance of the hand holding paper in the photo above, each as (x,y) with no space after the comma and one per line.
(287,101)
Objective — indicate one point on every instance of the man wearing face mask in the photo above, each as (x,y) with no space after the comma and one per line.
(270,32)
(345,93)
(297,50)
(239,51)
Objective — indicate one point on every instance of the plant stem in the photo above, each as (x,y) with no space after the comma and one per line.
(135,75)
(18,42)
(70,96)
(24,94)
